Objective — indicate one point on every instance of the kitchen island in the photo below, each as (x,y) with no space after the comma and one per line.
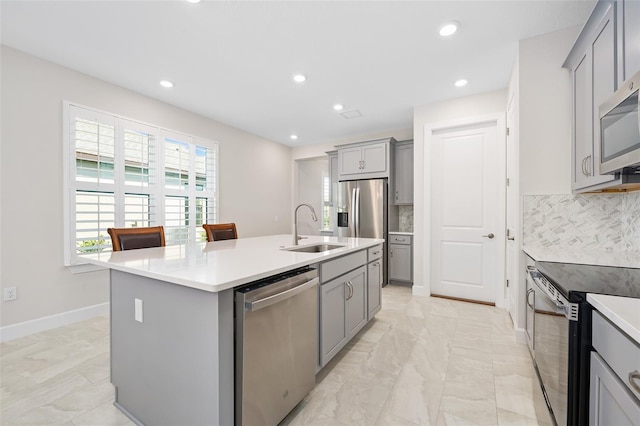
(172,320)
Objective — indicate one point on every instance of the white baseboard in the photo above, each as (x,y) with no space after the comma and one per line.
(26,328)
(419,290)
(521,335)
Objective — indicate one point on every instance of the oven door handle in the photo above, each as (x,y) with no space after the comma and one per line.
(569,310)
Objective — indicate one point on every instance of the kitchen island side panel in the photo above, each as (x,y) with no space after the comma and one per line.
(175,367)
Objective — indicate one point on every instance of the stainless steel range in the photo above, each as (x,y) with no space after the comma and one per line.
(558,328)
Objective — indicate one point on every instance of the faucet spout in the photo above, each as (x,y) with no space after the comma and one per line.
(296,238)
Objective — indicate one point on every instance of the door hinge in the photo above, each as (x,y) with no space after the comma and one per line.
(507,283)
(508,181)
(507,131)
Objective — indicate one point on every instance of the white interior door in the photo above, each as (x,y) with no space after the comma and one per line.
(466,210)
(513,212)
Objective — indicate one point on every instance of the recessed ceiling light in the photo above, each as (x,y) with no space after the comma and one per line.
(299,78)
(449,28)
(294,137)
(166,83)
(338,107)
(460,83)
(194,1)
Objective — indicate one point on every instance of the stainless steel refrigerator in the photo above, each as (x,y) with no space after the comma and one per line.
(362,212)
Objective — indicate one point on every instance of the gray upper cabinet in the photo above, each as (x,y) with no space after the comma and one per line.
(593,62)
(629,15)
(606,53)
(403,173)
(365,160)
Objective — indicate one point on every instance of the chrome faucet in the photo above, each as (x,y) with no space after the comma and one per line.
(296,238)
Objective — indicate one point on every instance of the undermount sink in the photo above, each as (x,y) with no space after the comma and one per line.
(316,248)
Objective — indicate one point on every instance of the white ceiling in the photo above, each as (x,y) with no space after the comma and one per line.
(233,61)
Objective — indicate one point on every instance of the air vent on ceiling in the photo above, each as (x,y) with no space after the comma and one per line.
(352,113)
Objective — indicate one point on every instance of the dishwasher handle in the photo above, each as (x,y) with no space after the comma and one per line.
(271,300)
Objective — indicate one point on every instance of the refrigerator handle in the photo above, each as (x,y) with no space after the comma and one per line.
(356,211)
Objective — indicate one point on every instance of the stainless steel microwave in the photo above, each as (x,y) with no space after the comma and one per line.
(620,130)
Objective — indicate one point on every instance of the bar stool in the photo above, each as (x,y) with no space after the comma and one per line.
(221,231)
(136,238)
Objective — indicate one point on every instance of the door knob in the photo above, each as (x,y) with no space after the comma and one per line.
(490,236)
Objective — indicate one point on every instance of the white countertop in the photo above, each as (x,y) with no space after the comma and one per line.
(624,312)
(400,233)
(565,254)
(221,265)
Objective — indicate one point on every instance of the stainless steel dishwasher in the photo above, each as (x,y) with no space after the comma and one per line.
(276,346)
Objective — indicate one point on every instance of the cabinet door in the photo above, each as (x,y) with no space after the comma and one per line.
(356,301)
(332,319)
(375,158)
(610,403)
(350,160)
(594,79)
(374,288)
(582,122)
(604,82)
(631,23)
(400,262)
(403,175)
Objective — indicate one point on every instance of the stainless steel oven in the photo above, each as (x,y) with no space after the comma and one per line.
(552,315)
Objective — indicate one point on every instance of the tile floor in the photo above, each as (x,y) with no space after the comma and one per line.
(422,361)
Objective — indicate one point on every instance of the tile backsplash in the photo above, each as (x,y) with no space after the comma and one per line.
(405,218)
(608,222)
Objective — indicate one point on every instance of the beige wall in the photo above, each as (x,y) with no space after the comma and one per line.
(545,113)
(254,180)
(455,109)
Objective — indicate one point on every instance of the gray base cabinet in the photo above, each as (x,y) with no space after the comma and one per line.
(350,295)
(374,292)
(343,311)
(400,258)
(615,367)
(611,403)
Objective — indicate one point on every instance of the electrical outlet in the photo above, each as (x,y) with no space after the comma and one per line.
(10,293)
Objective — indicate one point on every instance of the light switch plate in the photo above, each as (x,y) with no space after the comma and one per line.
(138,310)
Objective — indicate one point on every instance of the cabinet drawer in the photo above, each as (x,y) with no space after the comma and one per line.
(375,253)
(617,349)
(334,268)
(400,239)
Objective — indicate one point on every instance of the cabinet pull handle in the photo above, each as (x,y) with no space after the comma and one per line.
(391,253)
(589,169)
(529,292)
(584,166)
(633,376)
(350,290)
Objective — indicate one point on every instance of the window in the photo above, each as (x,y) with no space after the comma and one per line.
(121,173)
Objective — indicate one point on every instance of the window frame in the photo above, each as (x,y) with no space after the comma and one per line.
(156,190)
